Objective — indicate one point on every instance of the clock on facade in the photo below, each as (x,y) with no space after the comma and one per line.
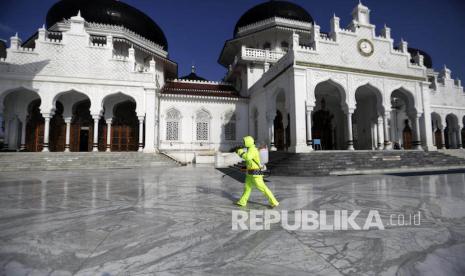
(365,47)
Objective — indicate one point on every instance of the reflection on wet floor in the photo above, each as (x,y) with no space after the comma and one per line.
(178,221)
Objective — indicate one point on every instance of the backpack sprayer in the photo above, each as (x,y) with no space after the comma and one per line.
(264,158)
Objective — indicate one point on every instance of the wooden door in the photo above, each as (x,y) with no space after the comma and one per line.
(124,138)
(438,138)
(407,138)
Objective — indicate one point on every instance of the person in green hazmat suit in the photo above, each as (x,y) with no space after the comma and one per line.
(253,178)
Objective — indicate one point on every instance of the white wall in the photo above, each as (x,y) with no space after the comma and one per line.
(217,108)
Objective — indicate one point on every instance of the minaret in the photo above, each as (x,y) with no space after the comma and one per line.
(361,14)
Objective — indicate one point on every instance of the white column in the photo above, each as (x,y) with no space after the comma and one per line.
(379,122)
(387,143)
(350,136)
(95,131)
(23,134)
(109,135)
(150,120)
(426,122)
(68,133)
(308,115)
(6,133)
(443,138)
(297,111)
(141,133)
(47,118)
(14,133)
(270,121)
(416,138)
(458,137)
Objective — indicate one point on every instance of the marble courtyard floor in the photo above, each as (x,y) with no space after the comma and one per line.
(177,221)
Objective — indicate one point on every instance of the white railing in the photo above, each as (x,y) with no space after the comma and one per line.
(260,54)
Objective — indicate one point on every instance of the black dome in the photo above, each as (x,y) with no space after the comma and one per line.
(193,76)
(108,12)
(273,9)
(3,49)
(427,60)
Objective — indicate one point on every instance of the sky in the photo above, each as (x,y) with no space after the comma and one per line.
(197,29)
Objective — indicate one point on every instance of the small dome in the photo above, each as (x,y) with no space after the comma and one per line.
(193,76)
(3,48)
(108,12)
(273,9)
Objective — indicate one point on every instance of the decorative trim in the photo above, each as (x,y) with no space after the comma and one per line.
(359,71)
(275,21)
(213,98)
(200,82)
(447,107)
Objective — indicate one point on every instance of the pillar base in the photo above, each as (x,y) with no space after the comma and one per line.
(350,145)
(430,148)
(418,147)
(108,149)
(300,149)
(148,150)
(22,148)
(45,149)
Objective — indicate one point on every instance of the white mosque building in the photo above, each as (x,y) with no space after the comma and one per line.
(98,77)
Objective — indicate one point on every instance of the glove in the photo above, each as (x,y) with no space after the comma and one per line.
(240,151)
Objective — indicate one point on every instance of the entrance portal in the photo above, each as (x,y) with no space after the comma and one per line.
(279,131)
(84,139)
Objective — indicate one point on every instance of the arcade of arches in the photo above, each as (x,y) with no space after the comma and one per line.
(72,127)
(331,125)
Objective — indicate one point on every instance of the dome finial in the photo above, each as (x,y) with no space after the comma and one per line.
(193,68)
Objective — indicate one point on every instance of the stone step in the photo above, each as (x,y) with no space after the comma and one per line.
(324,163)
(81,161)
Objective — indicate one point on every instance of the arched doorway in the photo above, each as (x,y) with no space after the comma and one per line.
(81,127)
(279,131)
(407,136)
(451,132)
(34,127)
(368,109)
(125,127)
(328,117)
(281,123)
(17,107)
(57,135)
(402,119)
(437,129)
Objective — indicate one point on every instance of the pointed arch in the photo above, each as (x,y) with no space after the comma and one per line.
(202,123)
(173,119)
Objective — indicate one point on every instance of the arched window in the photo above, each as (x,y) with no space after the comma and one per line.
(230,127)
(202,121)
(173,121)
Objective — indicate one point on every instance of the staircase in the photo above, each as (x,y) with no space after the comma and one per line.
(39,161)
(323,163)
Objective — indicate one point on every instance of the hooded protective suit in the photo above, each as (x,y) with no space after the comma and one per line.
(252,161)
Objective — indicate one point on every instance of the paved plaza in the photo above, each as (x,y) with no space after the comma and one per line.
(177,221)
